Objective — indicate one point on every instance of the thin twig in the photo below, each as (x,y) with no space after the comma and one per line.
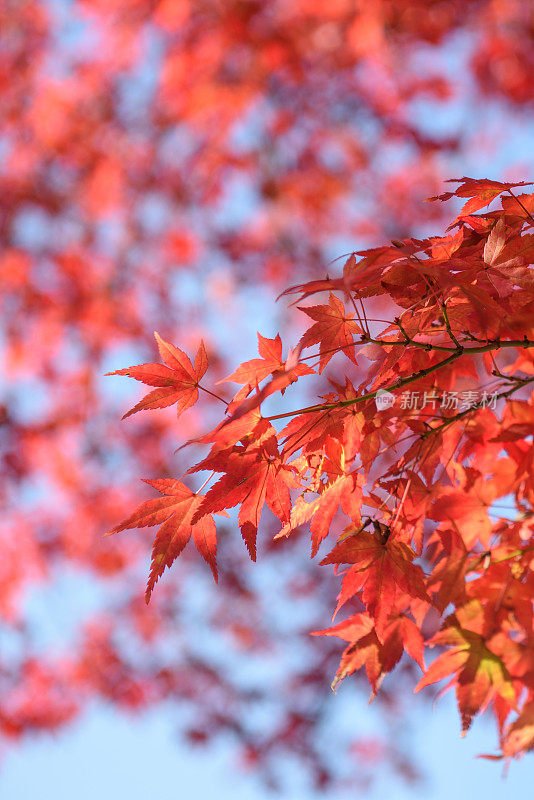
(422,373)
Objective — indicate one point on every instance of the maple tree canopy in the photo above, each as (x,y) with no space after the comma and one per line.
(172,166)
(417,484)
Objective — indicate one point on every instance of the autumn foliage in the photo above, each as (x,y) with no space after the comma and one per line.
(415,485)
(173,166)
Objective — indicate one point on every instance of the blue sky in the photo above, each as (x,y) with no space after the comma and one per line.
(105,755)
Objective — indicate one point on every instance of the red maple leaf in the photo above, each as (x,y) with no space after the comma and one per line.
(178,379)
(495,242)
(481,191)
(343,489)
(468,510)
(174,512)
(366,649)
(479,674)
(448,576)
(333,330)
(254,475)
(381,569)
(253,372)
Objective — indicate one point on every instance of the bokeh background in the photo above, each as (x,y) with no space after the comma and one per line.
(173,165)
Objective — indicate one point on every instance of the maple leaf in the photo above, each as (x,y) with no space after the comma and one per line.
(333,330)
(343,489)
(448,576)
(478,673)
(405,631)
(521,205)
(254,476)
(252,372)
(467,509)
(247,427)
(366,649)
(279,382)
(519,736)
(503,593)
(177,378)
(312,287)
(518,252)
(481,191)
(380,569)
(495,242)
(174,512)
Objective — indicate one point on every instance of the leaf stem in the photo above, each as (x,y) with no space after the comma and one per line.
(216,396)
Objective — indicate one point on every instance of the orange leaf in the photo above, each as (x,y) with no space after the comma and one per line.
(478,673)
(382,570)
(174,512)
(178,379)
(333,330)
